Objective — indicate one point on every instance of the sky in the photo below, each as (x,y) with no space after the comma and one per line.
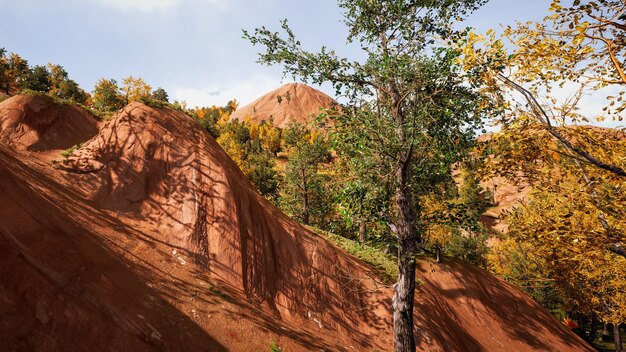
(194,48)
(191,48)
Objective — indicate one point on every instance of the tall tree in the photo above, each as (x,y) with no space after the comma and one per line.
(304,193)
(135,89)
(578,48)
(107,96)
(270,136)
(58,74)
(4,71)
(241,141)
(38,79)
(17,72)
(396,35)
(161,95)
(61,86)
(558,226)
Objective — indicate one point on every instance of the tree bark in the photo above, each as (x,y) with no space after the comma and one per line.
(606,335)
(618,338)
(408,237)
(404,293)
(582,331)
(593,331)
(305,196)
(362,231)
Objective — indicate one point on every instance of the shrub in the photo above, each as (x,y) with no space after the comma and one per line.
(274,347)
(69,151)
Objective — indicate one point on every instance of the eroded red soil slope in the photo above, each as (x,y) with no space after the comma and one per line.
(149,238)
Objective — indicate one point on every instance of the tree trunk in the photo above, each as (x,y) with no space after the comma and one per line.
(618,338)
(593,331)
(305,196)
(438,253)
(404,293)
(606,334)
(408,237)
(362,230)
(582,327)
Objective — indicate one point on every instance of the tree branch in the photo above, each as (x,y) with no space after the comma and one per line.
(545,119)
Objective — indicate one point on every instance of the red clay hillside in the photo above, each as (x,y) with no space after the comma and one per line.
(291,102)
(149,238)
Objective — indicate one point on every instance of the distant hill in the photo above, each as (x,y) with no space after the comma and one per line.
(291,102)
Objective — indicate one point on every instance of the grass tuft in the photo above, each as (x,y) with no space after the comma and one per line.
(384,264)
(274,347)
(68,152)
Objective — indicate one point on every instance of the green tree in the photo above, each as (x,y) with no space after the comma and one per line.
(58,74)
(4,71)
(262,173)
(38,79)
(17,72)
(70,90)
(363,201)
(160,94)
(451,214)
(107,96)
(62,87)
(304,194)
(396,35)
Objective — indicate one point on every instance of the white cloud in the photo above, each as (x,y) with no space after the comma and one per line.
(245,92)
(148,5)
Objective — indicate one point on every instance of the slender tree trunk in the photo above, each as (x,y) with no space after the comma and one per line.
(606,335)
(582,329)
(438,253)
(593,331)
(404,293)
(362,230)
(618,338)
(305,196)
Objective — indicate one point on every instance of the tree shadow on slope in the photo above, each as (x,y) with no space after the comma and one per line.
(519,317)
(67,278)
(275,268)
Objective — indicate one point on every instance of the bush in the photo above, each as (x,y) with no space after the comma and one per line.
(69,151)
(154,103)
(471,248)
(274,347)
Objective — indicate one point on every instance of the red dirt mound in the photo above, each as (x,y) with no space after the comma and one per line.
(152,239)
(297,103)
(161,168)
(37,123)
